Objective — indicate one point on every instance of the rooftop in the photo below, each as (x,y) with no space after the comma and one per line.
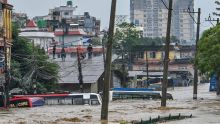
(31,24)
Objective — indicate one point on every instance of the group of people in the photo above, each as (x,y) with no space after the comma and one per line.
(82,55)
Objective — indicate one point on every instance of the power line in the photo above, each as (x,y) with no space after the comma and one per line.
(164,4)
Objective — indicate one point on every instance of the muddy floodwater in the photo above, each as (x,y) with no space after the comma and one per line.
(205,110)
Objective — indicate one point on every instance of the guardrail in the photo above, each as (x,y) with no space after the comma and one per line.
(163,119)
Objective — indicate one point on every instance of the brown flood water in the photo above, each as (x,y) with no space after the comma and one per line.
(205,110)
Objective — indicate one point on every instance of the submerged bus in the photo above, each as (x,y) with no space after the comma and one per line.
(118,95)
(68,99)
(21,102)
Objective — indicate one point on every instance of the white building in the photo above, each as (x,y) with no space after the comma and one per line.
(40,38)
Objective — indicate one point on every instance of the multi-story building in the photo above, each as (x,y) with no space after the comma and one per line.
(6,33)
(152,15)
(54,19)
(41,38)
(72,37)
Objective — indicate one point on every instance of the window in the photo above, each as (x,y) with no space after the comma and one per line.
(66,13)
(152,54)
(140,55)
(93,97)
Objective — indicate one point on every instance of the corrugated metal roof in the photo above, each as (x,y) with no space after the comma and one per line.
(31,24)
(92,69)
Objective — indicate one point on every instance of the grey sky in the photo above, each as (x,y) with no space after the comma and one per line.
(97,8)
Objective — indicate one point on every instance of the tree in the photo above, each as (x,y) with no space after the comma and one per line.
(30,63)
(96,41)
(208,57)
(126,36)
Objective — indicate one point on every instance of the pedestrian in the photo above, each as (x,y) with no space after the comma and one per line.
(63,54)
(90,50)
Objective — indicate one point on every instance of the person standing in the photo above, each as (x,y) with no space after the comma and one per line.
(90,50)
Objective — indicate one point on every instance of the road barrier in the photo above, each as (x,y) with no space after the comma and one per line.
(163,119)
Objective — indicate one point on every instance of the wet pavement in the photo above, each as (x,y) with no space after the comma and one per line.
(205,110)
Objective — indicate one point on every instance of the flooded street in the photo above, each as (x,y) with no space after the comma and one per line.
(205,110)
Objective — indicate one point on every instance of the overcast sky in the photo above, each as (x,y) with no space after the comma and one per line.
(97,8)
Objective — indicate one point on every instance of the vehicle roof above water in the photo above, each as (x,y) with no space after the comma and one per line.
(144,92)
(83,94)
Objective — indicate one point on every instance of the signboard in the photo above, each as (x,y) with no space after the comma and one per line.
(19,103)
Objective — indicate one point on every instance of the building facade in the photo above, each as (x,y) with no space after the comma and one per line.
(90,24)
(6,33)
(41,38)
(92,68)
(152,15)
(72,37)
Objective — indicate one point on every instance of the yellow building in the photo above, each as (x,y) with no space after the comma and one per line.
(156,56)
(6,32)
(153,53)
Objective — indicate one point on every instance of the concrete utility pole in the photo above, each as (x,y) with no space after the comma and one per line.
(34,66)
(64,26)
(7,78)
(147,65)
(166,59)
(107,76)
(212,20)
(195,85)
(80,78)
(123,66)
(103,46)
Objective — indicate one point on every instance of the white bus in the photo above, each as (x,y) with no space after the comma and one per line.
(69,99)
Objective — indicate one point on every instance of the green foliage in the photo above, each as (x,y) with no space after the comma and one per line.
(126,36)
(96,41)
(29,63)
(208,57)
(16,75)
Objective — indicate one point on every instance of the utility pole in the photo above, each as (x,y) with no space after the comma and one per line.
(103,47)
(123,67)
(147,65)
(195,85)
(34,66)
(107,76)
(64,26)
(212,20)
(7,102)
(195,78)
(80,77)
(166,59)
